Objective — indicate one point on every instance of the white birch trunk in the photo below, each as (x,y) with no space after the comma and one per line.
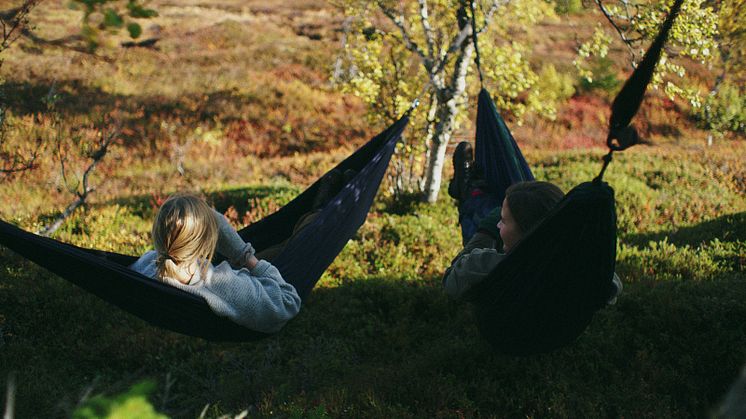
(448,99)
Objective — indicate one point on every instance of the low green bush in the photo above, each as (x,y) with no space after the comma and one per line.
(664,261)
(725,110)
(131,404)
(604,77)
(564,7)
(555,87)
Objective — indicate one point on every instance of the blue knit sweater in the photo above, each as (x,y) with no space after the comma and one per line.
(258,299)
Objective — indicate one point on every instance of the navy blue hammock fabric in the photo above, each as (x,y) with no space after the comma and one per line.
(543,295)
(302,261)
(496,155)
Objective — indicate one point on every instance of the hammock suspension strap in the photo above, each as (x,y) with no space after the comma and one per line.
(476,43)
(627,101)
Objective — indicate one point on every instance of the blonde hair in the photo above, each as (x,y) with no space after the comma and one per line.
(184,232)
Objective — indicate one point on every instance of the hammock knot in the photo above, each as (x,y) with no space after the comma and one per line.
(622,138)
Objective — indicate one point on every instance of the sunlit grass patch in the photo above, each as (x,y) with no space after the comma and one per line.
(657,188)
(663,261)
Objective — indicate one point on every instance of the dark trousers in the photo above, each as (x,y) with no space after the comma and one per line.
(472,210)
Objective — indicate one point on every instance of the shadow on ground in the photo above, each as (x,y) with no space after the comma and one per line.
(379,346)
(727,228)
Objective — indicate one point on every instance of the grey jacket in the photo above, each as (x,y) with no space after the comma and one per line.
(477,259)
(471,265)
(258,299)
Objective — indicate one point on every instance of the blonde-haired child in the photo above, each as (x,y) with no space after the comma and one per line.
(246,288)
(251,292)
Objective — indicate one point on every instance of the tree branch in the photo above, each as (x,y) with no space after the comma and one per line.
(16,165)
(464,34)
(85,190)
(627,42)
(425,19)
(14,21)
(456,43)
(408,42)
(14,162)
(490,13)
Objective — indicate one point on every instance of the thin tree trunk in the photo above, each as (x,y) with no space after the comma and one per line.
(446,116)
(432,113)
(437,158)
(715,89)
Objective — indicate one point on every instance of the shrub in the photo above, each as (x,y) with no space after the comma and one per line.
(555,87)
(662,261)
(604,78)
(106,227)
(566,7)
(133,403)
(725,110)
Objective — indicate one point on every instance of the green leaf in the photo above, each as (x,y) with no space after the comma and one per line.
(131,404)
(112,19)
(145,13)
(137,11)
(134,29)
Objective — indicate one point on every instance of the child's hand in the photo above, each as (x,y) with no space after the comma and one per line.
(251,262)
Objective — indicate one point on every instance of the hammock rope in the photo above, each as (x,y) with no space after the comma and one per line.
(477,58)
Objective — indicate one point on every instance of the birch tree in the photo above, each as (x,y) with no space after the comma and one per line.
(725,106)
(397,51)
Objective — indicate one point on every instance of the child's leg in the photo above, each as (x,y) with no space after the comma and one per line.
(473,210)
(469,190)
(271,252)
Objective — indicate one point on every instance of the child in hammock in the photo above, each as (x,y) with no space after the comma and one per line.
(524,206)
(246,287)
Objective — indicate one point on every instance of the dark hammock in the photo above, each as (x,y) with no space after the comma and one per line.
(546,290)
(302,261)
(498,162)
(496,154)
(543,295)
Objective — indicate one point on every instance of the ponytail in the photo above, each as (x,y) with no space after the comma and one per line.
(185,234)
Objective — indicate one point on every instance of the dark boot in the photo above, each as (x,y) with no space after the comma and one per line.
(463,160)
(329,187)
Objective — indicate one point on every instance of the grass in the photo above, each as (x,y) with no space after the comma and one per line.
(251,120)
(379,338)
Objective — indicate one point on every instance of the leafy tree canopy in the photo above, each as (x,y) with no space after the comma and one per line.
(694,36)
(110,16)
